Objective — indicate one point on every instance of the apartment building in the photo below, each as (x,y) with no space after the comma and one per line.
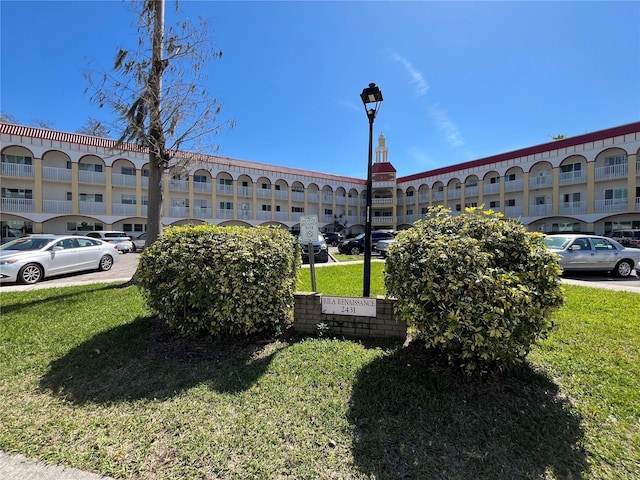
(57,182)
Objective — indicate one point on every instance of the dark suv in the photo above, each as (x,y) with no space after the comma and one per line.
(355,246)
(333,238)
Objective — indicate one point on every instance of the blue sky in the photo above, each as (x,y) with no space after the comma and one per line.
(461,80)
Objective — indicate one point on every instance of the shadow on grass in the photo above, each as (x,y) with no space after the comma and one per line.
(414,419)
(67,294)
(142,359)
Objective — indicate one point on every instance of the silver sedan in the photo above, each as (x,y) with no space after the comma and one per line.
(30,259)
(593,253)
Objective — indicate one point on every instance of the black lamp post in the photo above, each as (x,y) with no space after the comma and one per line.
(371,98)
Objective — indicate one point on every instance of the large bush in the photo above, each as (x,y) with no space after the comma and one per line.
(477,288)
(221,280)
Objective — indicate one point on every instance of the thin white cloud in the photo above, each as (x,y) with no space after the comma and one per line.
(451,133)
(416,77)
(351,105)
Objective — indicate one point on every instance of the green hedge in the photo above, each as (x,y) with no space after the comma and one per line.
(477,288)
(221,280)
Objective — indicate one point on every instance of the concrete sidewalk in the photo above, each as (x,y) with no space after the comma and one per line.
(19,467)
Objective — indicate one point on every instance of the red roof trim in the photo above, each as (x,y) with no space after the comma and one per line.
(383,167)
(554,145)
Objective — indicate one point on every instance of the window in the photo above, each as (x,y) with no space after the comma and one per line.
(540,200)
(510,177)
(128,171)
(145,172)
(84,226)
(17,159)
(225,181)
(25,194)
(297,189)
(226,205)
(510,203)
(244,184)
(200,179)
(458,207)
(145,200)
(277,187)
(494,180)
(615,160)
(471,183)
(494,204)
(297,209)
(133,227)
(277,208)
(410,193)
(409,211)
(88,197)
(571,197)
(571,167)
(90,167)
(200,203)
(471,204)
(266,186)
(328,211)
(423,210)
(128,199)
(618,195)
(266,208)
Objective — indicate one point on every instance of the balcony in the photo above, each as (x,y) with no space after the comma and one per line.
(577,176)
(282,194)
(382,220)
(124,209)
(539,210)
(224,213)
(471,191)
(92,208)
(178,211)
(611,206)
(353,201)
(202,187)
(56,174)
(282,216)
(570,208)
(612,171)
(179,185)
(514,185)
(490,188)
(124,180)
(264,192)
(341,200)
(263,215)
(423,198)
(540,181)
(454,193)
(297,196)
(313,197)
(247,192)
(381,201)
(17,204)
(203,212)
(513,212)
(17,170)
(224,189)
(92,177)
(57,206)
(438,196)
(387,184)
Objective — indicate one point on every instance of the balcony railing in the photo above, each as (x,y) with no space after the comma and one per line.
(92,177)
(327,198)
(381,201)
(340,200)
(92,208)
(612,171)
(202,187)
(125,180)
(282,216)
(353,201)
(382,220)
(313,197)
(203,212)
(56,174)
(543,209)
(569,208)
(248,192)
(178,211)
(263,215)
(438,196)
(514,185)
(513,212)
(298,196)
(224,189)
(124,209)
(17,204)
(180,185)
(423,198)
(454,193)
(264,192)
(489,188)
(282,194)
(471,191)
(611,206)
(225,213)
(17,170)
(57,206)
(577,176)
(540,181)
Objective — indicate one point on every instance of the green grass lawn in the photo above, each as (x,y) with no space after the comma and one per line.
(89,379)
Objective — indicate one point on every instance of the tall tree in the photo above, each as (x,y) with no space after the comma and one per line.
(94,128)
(158,95)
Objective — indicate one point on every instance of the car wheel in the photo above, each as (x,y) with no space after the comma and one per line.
(106,262)
(31,273)
(355,250)
(134,249)
(623,268)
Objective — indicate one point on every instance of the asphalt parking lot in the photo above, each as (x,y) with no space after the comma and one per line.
(127,263)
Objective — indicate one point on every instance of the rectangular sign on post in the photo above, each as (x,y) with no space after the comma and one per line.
(356,306)
(309,228)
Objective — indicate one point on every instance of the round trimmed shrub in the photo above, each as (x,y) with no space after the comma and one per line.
(475,287)
(221,280)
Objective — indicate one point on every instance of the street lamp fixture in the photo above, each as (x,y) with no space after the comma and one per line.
(371,98)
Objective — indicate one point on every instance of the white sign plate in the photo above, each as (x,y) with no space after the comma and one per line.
(309,228)
(356,306)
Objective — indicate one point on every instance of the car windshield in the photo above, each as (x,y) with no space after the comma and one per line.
(557,242)
(26,244)
(360,236)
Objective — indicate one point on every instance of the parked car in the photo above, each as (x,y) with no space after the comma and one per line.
(139,242)
(320,250)
(355,246)
(333,238)
(382,246)
(593,253)
(120,239)
(628,238)
(30,259)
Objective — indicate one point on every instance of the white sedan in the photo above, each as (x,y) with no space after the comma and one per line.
(30,259)
(593,253)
